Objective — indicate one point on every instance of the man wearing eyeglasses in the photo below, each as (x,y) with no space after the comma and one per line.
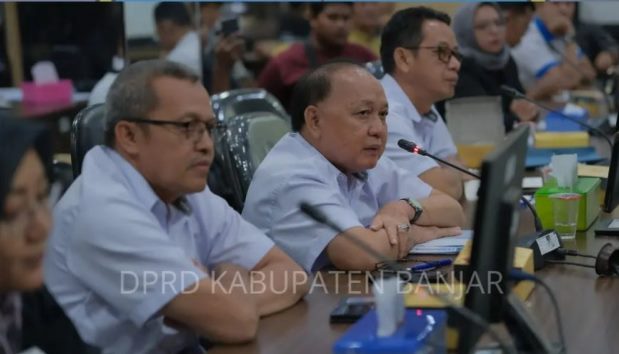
(421,61)
(143,256)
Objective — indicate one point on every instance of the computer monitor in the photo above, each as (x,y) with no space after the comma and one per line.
(611,199)
(495,225)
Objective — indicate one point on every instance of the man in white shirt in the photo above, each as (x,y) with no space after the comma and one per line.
(549,59)
(177,37)
(334,161)
(143,256)
(421,61)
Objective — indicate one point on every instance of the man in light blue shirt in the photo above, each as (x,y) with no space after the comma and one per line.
(143,257)
(421,62)
(333,161)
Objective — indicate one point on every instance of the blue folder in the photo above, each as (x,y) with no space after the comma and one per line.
(541,157)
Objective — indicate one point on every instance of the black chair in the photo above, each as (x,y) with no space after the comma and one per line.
(245,142)
(63,174)
(375,68)
(236,102)
(88,130)
(227,177)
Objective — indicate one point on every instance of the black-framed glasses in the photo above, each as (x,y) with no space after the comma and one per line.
(194,130)
(443,52)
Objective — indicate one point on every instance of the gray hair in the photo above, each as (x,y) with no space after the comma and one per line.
(132,95)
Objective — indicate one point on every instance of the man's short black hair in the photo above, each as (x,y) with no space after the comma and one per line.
(316,8)
(313,88)
(176,12)
(404,29)
(516,6)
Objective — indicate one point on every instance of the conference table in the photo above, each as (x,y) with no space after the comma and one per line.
(589,305)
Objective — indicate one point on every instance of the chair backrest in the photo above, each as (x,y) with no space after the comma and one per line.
(475,120)
(236,102)
(375,68)
(242,145)
(88,130)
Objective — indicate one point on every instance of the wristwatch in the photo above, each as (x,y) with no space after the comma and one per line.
(416,206)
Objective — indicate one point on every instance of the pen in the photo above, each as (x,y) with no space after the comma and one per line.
(431,265)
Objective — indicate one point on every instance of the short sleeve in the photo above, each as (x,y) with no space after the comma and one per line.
(302,238)
(230,239)
(533,57)
(443,145)
(399,129)
(124,257)
(397,183)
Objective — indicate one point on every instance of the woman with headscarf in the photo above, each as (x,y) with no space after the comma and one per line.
(25,220)
(487,63)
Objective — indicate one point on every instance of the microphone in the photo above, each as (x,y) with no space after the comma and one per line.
(415,149)
(466,313)
(513,93)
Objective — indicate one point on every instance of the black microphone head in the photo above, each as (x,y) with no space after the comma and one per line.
(406,145)
(411,147)
(510,91)
(313,212)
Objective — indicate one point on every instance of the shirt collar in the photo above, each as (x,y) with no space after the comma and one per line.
(395,94)
(140,186)
(543,30)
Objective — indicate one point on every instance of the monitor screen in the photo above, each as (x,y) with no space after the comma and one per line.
(495,225)
(611,199)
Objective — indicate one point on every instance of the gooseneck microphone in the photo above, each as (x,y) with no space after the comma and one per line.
(321,218)
(513,93)
(415,149)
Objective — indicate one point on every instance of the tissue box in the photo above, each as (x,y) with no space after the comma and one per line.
(423,331)
(557,123)
(420,295)
(549,140)
(57,92)
(588,209)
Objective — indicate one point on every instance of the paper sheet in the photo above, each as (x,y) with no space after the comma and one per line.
(592,170)
(444,245)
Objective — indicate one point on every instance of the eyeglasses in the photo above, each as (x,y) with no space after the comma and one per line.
(193,130)
(443,52)
(485,25)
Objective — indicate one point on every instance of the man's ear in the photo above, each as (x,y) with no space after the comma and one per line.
(403,59)
(127,137)
(312,121)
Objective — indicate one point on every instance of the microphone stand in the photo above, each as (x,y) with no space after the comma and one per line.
(536,219)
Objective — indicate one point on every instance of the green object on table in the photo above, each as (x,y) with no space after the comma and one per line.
(588,210)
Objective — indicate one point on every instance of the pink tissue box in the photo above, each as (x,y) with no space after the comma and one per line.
(57,92)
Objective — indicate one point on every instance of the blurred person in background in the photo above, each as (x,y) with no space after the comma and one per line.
(222,64)
(517,16)
(599,46)
(330,26)
(25,221)
(549,59)
(366,25)
(177,37)
(487,63)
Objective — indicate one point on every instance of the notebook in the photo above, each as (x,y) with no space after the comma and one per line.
(445,245)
